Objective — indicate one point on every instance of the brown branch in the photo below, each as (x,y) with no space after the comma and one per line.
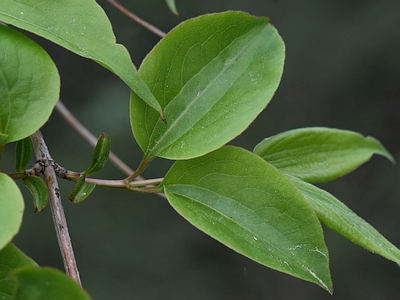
(138,20)
(89,137)
(60,222)
(83,132)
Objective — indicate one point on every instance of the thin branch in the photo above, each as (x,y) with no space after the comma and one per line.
(147,182)
(142,166)
(83,132)
(122,184)
(57,210)
(138,20)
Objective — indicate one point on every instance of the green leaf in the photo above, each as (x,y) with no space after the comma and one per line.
(11,258)
(212,75)
(3,139)
(46,283)
(337,216)
(251,207)
(81,26)
(319,154)
(29,85)
(81,190)
(12,208)
(100,154)
(23,154)
(38,189)
(172,6)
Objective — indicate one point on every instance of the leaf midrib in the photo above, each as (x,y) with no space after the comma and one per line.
(151,152)
(291,256)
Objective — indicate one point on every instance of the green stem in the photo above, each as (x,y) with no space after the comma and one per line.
(147,190)
(16,175)
(119,184)
(142,166)
(146,182)
(122,184)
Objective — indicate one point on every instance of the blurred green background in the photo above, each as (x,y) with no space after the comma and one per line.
(342,70)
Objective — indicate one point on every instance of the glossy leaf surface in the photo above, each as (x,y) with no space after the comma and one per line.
(11,258)
(100,154)
(38,190)
(251,207)
(29,85)
(82,27)
(319,154)
(212,75)
(337,216)
(23,154)
(81,190)
(12,208)
(45,283)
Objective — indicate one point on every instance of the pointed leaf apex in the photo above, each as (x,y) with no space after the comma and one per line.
(172,6)
(381,150)
(163,118)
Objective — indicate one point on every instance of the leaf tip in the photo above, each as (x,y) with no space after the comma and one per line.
(330,291)
(38,209)
(163,118)
(382,150)
(172,7)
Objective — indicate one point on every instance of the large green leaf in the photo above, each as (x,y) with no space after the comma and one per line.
(11,209)
(319,154)
(45,283)
(11,258)
(29,85)
(337,216)
(212,75)
(82,27)
(251,207)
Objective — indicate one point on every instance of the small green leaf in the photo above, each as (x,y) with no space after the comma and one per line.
(12,208)
(46,283)
(38,189)
(100,154)
(81,190)
(337,216)
(251,207)
(172,6)
(81,26)
(23,154)
(212,75)
(11,258)
(29,85)
(319,154)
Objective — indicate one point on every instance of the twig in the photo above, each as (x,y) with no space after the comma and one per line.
(89,137)
(122,184)
(138,20)
(60,222)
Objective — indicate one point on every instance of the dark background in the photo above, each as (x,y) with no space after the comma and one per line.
(342,70)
